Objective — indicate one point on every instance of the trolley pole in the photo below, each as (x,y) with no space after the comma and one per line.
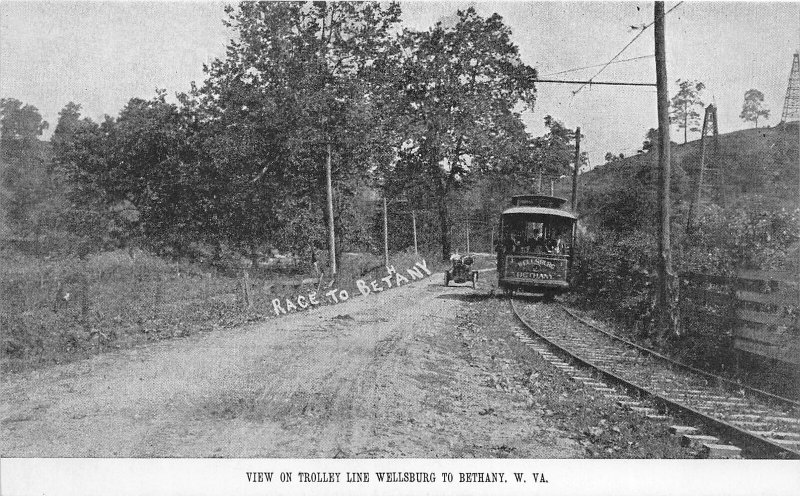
(539,186)
(331,232)
(577,166)
(666,279)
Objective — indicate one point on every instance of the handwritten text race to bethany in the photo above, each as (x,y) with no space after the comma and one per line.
(311,299)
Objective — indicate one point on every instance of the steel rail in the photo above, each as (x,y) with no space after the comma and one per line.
(752,444)
(719,379)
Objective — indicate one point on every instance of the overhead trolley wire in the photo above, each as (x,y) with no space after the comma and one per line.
(597,65)
(623,49)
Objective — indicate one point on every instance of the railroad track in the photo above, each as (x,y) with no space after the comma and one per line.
(761,424)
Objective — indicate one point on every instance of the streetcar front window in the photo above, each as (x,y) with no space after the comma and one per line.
(524,234)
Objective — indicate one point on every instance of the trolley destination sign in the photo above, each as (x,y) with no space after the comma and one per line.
(536,268)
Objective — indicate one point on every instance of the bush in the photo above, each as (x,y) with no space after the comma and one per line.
(616,272)
(742,237)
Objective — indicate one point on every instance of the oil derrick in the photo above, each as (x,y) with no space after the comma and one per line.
(791,105)
(709,177)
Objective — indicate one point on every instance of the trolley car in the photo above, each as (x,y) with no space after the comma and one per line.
(535,247)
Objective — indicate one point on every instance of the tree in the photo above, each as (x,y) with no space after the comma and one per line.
(753,107)
(299,76)
(462,88)
(20,123)
(133,174)
(555,151)
(25,171)
(686,106)
(650,140)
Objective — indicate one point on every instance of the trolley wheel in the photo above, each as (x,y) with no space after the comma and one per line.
(446,278)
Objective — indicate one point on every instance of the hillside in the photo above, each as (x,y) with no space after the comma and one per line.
(756,165)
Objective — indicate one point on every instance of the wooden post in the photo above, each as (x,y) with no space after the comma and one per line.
(85,302)
(331,232)
(158,295)
(666,279)
(577,167)
(248,299)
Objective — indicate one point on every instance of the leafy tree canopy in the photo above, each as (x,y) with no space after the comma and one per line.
(686,105)
(753,107)
(20,122)
(300,76)
(462,90)
(650,140)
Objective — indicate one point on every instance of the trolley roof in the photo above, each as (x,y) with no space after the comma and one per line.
(538,205)
(537,201)
(539,211)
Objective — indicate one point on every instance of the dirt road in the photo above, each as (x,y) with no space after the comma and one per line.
(386,375)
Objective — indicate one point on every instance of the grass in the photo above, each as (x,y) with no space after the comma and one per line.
(55,311)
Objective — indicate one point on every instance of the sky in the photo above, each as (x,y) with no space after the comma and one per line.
(101,54)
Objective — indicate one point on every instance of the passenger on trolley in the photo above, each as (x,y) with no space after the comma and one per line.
(536,242)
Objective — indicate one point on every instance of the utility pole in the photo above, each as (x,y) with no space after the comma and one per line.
(414,224)
(666,279)
(467,235)
(385,234)
(577,166)
(331,232)
(551,187)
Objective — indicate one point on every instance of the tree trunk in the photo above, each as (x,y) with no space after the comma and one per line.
(685,125)
(444,222)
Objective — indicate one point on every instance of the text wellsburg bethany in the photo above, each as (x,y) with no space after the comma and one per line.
(464,477)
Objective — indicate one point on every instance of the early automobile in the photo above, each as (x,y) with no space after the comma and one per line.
(461,271)
(535,248)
